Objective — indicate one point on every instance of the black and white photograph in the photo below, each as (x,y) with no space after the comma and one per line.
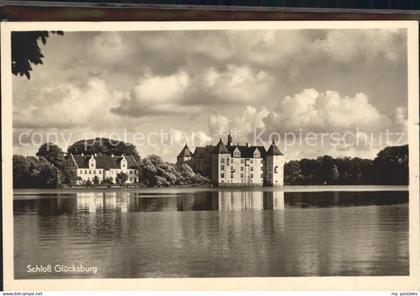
(211,150)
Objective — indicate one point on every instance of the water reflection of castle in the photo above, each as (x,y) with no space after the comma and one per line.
(224,200)
(98,201)
(92,202)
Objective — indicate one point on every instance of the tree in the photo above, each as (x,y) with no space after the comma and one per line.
(26,51)
(391,166)
(104,146)
(156,172)
(334,174)
(70,178)
(96,180)
(107,181)
(53,154)
(292,173)
(121,178)
(32,172)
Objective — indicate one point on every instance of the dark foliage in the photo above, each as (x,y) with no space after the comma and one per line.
(26,51)
(121,178)
(32,172)
(53,154)
(156,172)
(103,146)
(390,167)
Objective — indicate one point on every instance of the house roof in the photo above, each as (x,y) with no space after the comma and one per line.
(81,161)
(104,161)
(131,162)
(107,162)
(185,152)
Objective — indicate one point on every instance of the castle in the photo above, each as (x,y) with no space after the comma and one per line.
(230,165)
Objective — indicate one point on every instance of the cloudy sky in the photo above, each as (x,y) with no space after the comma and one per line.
(193,85)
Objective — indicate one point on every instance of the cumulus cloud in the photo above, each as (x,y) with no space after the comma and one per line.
(67,106)
(157,95)
(278,80)
(237,84)
(329,110)
(183,93)
(240,127)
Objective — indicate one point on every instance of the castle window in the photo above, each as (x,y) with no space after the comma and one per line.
(85,171)
(223,168)
(223,160)
(222,175)
(252,161)
(252,176)
(231,161)
(231,176)
(252,168)
(242,160)
(242,175)
(242,168)
(90,172)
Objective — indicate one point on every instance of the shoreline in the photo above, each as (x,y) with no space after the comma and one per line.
(287,188)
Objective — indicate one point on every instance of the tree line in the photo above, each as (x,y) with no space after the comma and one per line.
(390,167)
(48,168)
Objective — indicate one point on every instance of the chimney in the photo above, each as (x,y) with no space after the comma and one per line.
(229,141)
(247,145)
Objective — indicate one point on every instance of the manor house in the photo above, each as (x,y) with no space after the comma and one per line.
(86,167)
(229,165)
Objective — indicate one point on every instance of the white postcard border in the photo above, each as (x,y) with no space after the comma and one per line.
(411,282)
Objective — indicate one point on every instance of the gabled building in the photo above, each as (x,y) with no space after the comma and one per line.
(230,165)
(87,167)
(184,157)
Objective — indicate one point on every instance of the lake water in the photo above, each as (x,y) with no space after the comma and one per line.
(210,233)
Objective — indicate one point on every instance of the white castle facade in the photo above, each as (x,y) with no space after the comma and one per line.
(233,165)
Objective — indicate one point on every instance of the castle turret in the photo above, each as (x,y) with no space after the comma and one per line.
(274,166)
(229,141)
(184,157)
(220,164)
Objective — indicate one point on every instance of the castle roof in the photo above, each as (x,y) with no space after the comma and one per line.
(247,151)
(185,152)
(274,150)
(203,150)
(221,148)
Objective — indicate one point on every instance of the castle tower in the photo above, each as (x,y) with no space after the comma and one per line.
(184,157)
(229,141)
(274,166)
(220,164)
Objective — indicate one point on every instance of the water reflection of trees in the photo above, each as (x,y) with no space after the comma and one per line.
(241,233)
(224,200)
